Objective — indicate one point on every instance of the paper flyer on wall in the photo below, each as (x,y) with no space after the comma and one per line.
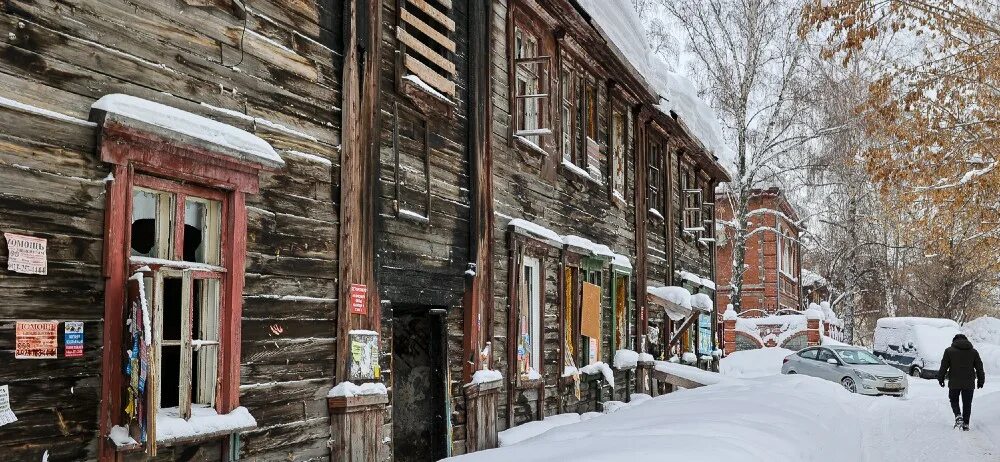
(6,414)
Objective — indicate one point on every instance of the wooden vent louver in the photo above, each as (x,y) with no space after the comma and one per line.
(424,33)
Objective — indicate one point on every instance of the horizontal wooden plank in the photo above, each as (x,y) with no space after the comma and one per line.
(425,51)
(427,30)
(438,16)
(439,82)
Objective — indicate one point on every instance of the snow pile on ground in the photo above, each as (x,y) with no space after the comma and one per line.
(983,330)
(990,354)
(753,363)
(690,373)
(531,429)
(773,419)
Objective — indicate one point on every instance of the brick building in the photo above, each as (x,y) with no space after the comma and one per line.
(771,281)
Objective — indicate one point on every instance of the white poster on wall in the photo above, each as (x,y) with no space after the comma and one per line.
(6,414)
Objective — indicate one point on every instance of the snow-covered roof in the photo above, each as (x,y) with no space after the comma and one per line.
(675,300)
(620,24)
(536,229)
(160,118)
(696,279)
(554,238)
(811,278)
(702,302)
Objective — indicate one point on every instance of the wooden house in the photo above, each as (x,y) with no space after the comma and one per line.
(331,229)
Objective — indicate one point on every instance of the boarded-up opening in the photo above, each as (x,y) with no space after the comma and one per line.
(590,326)
(418,388)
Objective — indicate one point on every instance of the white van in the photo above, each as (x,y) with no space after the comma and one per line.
(914,345)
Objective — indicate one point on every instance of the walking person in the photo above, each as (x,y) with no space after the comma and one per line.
(963,368)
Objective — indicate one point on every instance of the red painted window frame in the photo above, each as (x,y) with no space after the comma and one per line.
(140,158)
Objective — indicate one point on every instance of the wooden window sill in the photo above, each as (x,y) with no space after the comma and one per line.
(528,384)
(573,171)
(530,146)
(167,442)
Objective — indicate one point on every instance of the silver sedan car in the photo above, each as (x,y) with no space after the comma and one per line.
(856,369)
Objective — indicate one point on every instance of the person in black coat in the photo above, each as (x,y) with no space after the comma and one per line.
(963,368)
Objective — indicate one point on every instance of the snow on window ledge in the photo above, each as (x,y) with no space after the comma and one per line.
(412,216)
(578,171)
(119,435)
(204,423)
(656,214)
(486,376)
(531,145)
(419,83)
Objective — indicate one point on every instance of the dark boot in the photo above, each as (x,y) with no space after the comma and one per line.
(958,421)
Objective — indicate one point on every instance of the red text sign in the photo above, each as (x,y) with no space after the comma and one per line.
(359,299)
(36,339)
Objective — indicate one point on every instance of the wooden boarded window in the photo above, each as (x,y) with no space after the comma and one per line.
(411,169)
(569,316)
(425,32)
(590,315)
(531,88)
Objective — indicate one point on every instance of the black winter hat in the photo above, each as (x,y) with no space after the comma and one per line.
(959,337)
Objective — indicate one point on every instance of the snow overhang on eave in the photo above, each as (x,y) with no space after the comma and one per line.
(185,128)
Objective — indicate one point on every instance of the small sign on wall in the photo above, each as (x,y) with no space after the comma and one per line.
(26,254)
(74,339)
(359,299)
(36,339)
(364,355)
(6,413)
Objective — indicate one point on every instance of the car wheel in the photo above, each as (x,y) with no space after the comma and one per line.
(916,372)
(849,384)
(791,372)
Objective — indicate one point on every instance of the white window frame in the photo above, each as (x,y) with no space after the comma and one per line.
(533,311)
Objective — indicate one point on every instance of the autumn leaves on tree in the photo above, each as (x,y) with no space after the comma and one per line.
(932,115)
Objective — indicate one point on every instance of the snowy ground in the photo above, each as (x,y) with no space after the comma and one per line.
(754,415)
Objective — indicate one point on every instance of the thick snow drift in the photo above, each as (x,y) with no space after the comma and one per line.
(754,363)
(806,419)
(983,330)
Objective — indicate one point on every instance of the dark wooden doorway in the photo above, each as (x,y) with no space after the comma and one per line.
(418,392)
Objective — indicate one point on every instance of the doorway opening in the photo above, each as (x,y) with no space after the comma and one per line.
(419,427)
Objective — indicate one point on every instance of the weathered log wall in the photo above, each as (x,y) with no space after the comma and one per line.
(423,217)
(280,80)
(538,188)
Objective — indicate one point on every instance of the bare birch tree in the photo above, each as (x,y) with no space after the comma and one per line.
(750,64)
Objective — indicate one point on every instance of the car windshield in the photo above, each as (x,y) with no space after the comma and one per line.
(853,356)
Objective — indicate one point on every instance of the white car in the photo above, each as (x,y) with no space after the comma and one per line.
(856,369)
